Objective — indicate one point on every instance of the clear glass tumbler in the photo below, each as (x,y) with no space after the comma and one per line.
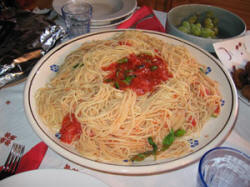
(224,167)
(77,16)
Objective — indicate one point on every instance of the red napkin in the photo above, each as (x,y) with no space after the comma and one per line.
(33,158)
(150,23)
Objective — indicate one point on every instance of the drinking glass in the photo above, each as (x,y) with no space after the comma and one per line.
(224,167)
(77,16)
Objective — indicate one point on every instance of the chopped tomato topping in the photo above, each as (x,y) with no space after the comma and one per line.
(71,129)
(208,92)
(192,120)
(175,96)
(141,73)
(202,94)
(157,51)
(91,133)
(217,111)
(124,43)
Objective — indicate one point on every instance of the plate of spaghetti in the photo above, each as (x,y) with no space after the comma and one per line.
(130,101)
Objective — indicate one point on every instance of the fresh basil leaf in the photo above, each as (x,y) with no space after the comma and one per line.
(141,156)
(179,133)
(169,139)
(153,144)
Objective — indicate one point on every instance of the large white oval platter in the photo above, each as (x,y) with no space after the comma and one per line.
(213,134)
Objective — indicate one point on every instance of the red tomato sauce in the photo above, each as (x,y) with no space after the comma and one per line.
(71,129)
(141,73)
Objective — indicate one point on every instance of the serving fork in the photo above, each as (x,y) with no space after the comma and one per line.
(12,162)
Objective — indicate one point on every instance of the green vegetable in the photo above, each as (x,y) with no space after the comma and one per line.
(215,21)
(123,60)
(186,24)
(128,79)
(198,25)
(108,80)
(153,144)
(179,133)
(168,140)
(208,22)
(153,68)
(207,33)
(117,85)
(202,70)
(214,115)
(141,156)
(77,65)
(193,19)
(204,25)
(128,71)
(117,73)
(195,29)
(184,29)
(166,143)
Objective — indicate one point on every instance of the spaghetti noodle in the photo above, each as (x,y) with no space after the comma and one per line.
(94,102)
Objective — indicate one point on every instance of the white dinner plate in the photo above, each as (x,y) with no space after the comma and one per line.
(213,133)
(96,28)
(234,53)
(104,11)
(52,178)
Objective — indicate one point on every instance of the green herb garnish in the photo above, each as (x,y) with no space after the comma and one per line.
(117,85)
(144,155)
(168,140)
(117,73)
(108,80)
(166,143)
(141,156)
(123,60)
(202,70)
(154,68)
(179,133)
(128,79)
(153,144)
(77,65)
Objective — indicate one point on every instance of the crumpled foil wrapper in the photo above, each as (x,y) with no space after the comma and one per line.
(15,69)
(51,36)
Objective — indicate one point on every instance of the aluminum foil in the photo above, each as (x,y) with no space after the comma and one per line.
(51,36)
(20,67)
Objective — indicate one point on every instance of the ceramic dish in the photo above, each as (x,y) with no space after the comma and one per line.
(209,137)
(96,28)
(104,11)
(230,25)
(51,177)
(234,53)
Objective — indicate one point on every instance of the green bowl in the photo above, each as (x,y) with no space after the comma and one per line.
(230,25)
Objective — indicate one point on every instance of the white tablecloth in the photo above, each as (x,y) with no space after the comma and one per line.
(14,127)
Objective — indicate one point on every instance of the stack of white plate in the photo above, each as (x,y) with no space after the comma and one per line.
(107,14)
